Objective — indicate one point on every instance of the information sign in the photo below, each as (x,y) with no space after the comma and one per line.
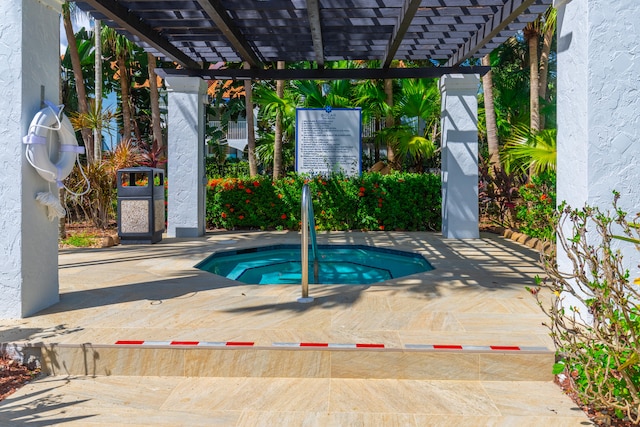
(329,141)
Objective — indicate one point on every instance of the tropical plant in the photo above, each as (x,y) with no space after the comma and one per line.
(274,106)
(96,119)
(418,101)
(527,151)
(153,154)
(497,194)
(96,205)
(371,97)
(510,77)
(125,155)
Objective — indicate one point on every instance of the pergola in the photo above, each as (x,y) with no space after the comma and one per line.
(195,33)
(441,34)
(597,102)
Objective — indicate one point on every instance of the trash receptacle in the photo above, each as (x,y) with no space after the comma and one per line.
(140,205)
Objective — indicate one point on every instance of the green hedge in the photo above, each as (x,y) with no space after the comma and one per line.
(400,201)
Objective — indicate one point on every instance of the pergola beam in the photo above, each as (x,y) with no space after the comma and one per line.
(313,10)
(323,74)
(409,9)
(223,22)
(505,15)
(127,20)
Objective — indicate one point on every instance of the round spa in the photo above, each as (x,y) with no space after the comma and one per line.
(337,264)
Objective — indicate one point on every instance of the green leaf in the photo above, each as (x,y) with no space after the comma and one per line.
(558,368)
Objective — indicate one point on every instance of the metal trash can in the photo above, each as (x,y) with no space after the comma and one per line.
(140,205)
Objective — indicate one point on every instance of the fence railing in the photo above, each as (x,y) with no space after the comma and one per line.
(235,130)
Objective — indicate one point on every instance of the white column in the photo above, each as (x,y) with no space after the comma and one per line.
(185,166)
(30,57)
(459,115)
(599,108)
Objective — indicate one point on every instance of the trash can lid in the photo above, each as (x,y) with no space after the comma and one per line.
(140,169)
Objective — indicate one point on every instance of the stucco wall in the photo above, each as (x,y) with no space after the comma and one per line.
(599,107)
(28,240)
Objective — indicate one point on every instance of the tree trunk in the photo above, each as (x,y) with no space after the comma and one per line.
(544,65)
(97,132)
(376,145)
(124,96)
(490,116)
(83,106)
(251,135)
(62,222)
(277,148)
(389,122)
(155,101)
(534,85)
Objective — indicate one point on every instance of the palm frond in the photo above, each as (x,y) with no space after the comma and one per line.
(527,151)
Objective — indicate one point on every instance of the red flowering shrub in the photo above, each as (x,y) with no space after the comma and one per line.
(367,202)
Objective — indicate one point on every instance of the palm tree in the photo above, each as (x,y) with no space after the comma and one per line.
(389,120)
(120,47)
(538,65)
(370,95)
(532,36)
(548,30)
(490,118)
(154,99)
(409,145)
(97,135)
(277,144)
(510,76)
(273,107)
(251,135)
(83,106)
(417,101)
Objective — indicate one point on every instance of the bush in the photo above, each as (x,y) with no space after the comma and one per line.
(597,337)
(535,213)
(246,203)
(369,202)
(97,205)
(497,194)
(230,168)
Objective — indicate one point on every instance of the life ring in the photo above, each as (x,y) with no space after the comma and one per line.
(40,142)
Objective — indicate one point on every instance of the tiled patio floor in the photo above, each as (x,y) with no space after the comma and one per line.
(474,297)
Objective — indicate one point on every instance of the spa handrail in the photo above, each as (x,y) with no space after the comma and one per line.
(308,228)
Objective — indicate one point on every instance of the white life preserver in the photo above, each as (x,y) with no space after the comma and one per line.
(41,140)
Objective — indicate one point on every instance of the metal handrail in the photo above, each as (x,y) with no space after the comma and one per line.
(308,228)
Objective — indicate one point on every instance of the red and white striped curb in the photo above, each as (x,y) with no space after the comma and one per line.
(455,347)
(188,343)
(445,347)
(325,344)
